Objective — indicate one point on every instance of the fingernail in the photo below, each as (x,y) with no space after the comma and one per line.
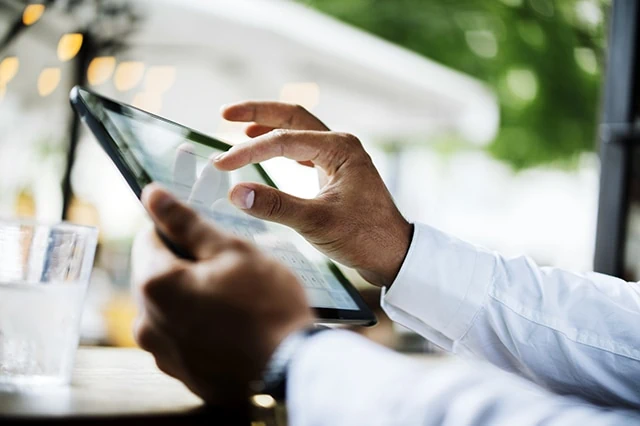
(219,156)
(243,197)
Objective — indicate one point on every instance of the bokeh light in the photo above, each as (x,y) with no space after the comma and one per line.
(8,69)
(148,101)
(32,14)
(586,59)
(128,75)
(69,46)
(100,69)
(305,94)
(522,82)
(482,43)
(48,81)
(159,79)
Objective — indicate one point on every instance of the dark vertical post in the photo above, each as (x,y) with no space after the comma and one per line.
(616,131)
(80,77)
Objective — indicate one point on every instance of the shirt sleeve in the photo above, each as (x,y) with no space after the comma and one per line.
(339,378)
(575,334)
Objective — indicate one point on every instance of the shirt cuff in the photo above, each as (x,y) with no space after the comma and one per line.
(442,285)
(339,378)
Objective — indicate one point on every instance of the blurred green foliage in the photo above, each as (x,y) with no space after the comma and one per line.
(543,58)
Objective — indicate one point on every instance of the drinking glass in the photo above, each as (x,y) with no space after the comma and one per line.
(44,273)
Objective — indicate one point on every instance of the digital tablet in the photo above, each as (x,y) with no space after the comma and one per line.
(146,148)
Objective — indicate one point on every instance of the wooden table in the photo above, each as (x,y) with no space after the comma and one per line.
(121,386)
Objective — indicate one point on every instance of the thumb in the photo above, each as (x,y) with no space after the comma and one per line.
(268,203)
(181,224)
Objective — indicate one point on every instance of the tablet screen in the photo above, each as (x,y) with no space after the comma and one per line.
(178,158)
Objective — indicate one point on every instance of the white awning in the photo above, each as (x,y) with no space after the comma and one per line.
(255,48)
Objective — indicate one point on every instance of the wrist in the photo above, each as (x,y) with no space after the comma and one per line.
(400,254)
(393,258)
(274,376)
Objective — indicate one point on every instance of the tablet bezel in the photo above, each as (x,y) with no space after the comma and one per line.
(362,316)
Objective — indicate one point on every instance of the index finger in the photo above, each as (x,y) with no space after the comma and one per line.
(328,150)
(273,114)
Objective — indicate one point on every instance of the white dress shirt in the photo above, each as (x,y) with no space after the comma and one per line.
(560,333)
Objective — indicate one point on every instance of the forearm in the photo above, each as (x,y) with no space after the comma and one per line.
(575,334)
(339,378)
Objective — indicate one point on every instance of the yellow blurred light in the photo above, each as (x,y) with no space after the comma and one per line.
(128,75)
(69,46)
(83,213)
(100,69)
(119,316)
(159,79)
(8,69)
(48,81)
(305,94)
(263,401)
(25,204)
(32,14)
(148,101)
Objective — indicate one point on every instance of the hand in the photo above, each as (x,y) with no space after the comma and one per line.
(352,220)
(212,323)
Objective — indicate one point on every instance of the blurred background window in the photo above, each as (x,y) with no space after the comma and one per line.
(481,116)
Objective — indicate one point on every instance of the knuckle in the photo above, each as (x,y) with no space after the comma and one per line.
(165,366)
(156,288)
(230,265)
(340,149)
(354,150)
(234,261)
(351,142)
(151,287)
(145,336)
(300,110)
(178,274)
(280,133)
(239,245)
(274,206)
